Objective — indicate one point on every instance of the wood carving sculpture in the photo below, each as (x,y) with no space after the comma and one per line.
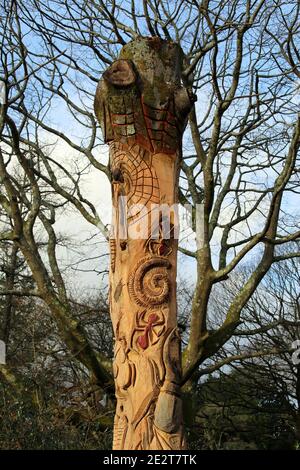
(142,108)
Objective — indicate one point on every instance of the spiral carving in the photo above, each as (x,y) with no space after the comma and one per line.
(149,285)
(131,169)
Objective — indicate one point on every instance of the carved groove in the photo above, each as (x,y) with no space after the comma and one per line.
(120,431)
(113,249)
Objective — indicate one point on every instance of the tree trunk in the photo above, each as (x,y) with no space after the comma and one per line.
(142,109)
(8,303)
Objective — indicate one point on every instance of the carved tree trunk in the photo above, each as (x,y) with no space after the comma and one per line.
(142,109)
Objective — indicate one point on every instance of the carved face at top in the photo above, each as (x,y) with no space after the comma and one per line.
(140,99)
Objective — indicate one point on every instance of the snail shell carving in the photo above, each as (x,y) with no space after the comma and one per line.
(149,285)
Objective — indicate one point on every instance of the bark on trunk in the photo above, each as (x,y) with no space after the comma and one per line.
(142,109)
(8,304)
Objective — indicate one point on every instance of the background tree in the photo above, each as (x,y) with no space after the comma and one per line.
(47,399)
(251,398)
